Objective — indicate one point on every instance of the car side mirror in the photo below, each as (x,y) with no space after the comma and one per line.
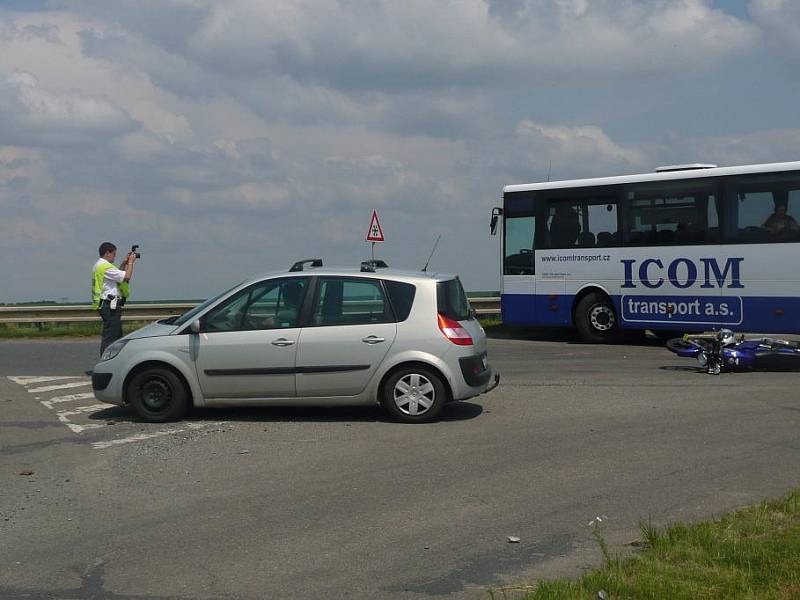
(195,326)
(473,313)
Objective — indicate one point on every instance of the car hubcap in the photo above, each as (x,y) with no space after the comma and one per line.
(414,394)
(156,394)
(601,317)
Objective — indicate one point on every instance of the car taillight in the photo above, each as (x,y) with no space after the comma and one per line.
(453,331)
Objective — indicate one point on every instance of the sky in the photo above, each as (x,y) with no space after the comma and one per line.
(231,138)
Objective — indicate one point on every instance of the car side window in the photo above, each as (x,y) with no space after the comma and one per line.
(266,305)
(401,295)
(344,301)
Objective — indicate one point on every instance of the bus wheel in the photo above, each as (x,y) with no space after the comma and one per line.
(596,319)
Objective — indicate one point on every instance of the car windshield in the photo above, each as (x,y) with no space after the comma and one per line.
(189,315)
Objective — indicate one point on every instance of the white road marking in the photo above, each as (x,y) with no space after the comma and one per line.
(79,428)
(63,386)
(29,380)
(65,416)
(69,398)
(83,409)
(139,437)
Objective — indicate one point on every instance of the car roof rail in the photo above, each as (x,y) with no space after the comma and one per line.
(298,266)
(369,266)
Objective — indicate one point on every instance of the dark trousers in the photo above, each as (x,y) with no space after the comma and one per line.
(112,325)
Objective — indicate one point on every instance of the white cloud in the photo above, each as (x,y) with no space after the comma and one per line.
(585,145)
(780,21)
(388,46)
(755,147)
(235,136)
(34,115)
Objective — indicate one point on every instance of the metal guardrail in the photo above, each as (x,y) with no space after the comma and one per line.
(84,313)
(39,315)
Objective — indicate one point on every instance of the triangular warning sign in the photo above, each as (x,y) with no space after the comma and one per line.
(375,233)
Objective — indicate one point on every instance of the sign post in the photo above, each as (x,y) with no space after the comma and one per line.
(375,232)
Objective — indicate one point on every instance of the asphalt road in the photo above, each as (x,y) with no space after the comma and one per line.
(341,503)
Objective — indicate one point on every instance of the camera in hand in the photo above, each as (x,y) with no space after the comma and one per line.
(135,250)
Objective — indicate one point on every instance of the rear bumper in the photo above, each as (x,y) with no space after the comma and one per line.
(477,377)
(494,383)
(475,369)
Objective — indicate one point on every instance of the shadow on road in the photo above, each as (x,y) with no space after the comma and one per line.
(684,369)
(455,411)
(567,335)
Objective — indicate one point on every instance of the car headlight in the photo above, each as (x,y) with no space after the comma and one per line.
(113,350)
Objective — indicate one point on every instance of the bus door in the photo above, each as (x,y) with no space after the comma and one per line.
(519,277)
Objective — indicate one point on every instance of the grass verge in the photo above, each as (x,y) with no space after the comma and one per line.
(750,553)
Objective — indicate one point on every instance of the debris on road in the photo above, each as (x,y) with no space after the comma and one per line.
(512,539)
(26,472)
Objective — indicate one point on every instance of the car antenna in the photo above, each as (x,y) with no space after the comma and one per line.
(436,243)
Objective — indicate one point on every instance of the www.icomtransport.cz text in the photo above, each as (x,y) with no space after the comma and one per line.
(578,258)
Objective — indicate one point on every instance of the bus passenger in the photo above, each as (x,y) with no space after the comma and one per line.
(565,227)
(780,222)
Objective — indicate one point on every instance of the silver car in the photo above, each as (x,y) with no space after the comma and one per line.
(308,336)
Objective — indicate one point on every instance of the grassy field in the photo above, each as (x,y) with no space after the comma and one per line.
(751,553)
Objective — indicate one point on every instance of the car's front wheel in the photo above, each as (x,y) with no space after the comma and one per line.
(414,394)
(158,395)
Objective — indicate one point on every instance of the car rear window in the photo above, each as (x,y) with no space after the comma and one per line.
(401,295)
(452,301)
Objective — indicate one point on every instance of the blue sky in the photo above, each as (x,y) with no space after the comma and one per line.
(236,137)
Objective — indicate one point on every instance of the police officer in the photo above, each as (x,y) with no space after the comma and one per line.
(110,288)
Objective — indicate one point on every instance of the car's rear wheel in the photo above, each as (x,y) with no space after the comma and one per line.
(158,395)
(414,394)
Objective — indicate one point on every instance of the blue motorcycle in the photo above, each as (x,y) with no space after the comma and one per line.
(723,351)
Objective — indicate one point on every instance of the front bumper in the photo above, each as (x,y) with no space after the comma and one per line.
(100,381)
(106,386)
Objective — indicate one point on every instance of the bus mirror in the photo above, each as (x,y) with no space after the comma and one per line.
(496,212)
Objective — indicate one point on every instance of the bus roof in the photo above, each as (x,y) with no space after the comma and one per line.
(662,176)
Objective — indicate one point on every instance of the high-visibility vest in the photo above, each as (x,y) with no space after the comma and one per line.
(98,274)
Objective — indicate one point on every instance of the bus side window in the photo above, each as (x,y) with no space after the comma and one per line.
(762,209)
(671,214)
(579,222)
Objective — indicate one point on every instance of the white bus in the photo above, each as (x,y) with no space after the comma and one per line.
(686,248)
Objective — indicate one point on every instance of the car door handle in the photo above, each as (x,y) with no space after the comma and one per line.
(283,342)
(373,339)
